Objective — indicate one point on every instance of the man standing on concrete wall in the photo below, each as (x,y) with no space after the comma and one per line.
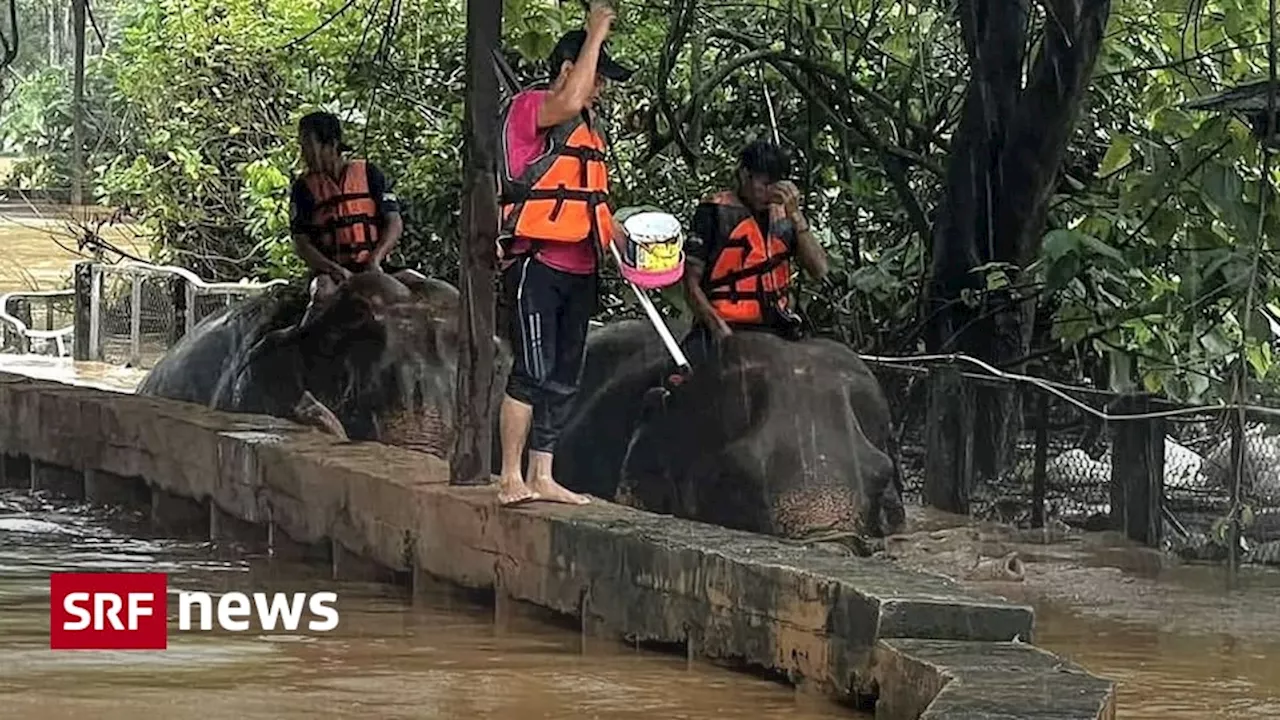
(556,220)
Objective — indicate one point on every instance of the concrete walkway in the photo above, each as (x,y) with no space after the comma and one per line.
(855,628)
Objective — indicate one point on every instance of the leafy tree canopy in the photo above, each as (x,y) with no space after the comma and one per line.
(1148,241)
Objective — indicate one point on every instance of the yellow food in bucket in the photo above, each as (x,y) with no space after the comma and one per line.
(658,256)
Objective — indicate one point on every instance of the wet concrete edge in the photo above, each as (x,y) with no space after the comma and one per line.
(934,679)
(813,617)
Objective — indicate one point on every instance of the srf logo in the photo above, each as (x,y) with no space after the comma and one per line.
(108,611)
(128,611)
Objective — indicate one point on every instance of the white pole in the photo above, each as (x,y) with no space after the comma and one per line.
(654,317)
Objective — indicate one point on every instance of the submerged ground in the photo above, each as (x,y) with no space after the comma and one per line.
(1177,639)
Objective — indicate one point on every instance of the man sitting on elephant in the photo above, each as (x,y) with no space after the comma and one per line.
(739,253)
(344,217)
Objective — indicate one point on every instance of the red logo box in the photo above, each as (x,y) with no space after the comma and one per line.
(108,611)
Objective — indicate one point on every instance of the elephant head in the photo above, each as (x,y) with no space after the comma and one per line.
(378,362)
(773,436)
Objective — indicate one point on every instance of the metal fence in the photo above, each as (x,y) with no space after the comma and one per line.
(969,438)
(134,312)
(1029,451)
(1053,463)
(126,314)
(39,323)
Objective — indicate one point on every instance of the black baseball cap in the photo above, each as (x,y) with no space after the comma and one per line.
(325,128)
(570,46)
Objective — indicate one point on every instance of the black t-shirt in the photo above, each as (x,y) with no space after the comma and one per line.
(302,203)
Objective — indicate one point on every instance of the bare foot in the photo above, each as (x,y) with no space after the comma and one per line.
(513,491)
(548,489)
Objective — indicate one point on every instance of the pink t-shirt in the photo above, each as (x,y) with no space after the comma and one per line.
(524,143)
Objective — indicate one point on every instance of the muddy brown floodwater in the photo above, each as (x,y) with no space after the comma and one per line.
(39,253)
(431,657)
(1178,642)
(1169,675)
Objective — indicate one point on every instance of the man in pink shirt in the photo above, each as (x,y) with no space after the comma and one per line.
(556,219)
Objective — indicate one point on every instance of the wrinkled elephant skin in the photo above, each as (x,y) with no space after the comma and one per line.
(777,437)
(379,362)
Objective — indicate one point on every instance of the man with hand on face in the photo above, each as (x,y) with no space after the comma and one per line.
(739,253)
(556,221)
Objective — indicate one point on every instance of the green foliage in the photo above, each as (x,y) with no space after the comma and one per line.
(37,126)
(1172,209)
(1151,236)
(217,87)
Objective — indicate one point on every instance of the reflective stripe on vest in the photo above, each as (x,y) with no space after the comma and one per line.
(751,271)
(563,195)
(345,220)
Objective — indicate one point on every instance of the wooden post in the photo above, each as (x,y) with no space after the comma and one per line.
(178,298)
(1137,471)
(949,431)
(470,463)
(21,309)
(1239,466)
(1042,458)
(84,293)
(77,107)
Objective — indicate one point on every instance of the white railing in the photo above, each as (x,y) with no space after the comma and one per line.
(57,338)
(129,313)
(164,302)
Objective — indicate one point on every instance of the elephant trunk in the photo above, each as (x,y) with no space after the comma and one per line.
(814,510)
(866,503)
(423,428)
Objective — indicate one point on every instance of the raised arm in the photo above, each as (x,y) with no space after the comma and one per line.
(572,97)
(809,253)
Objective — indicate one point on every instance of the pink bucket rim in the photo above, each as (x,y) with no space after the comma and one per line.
(654,281)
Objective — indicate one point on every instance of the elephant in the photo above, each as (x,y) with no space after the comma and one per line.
(377,362)
(779,437)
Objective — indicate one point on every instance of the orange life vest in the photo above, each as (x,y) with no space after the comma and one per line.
(563,195)
(751,271)
(345,218)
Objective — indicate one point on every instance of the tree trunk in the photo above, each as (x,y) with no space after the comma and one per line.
(1004,163)
(66,30)
(52,39)
(77,107)
(470,463)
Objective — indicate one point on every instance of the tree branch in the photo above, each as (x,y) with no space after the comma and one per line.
(892,166)
(834,75)
(10,44)
(1044,118)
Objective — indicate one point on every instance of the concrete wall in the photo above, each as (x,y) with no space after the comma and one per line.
(854,628)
